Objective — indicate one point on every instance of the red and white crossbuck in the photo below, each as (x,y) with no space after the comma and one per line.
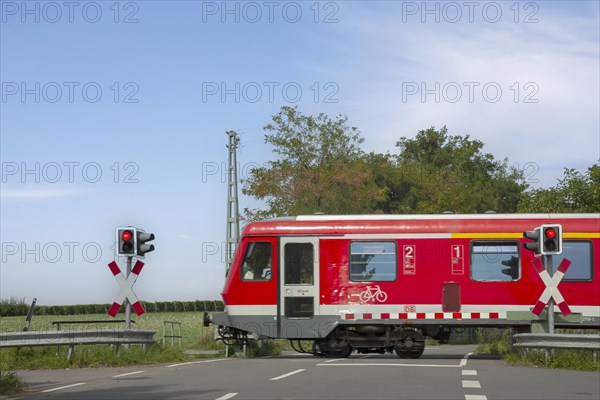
(126,291)
(551,290)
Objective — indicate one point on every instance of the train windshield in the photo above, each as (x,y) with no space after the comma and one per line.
(257,262)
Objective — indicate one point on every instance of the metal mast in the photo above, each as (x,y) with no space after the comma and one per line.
(233,219)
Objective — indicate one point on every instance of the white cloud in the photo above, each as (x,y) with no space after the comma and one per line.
(554,61)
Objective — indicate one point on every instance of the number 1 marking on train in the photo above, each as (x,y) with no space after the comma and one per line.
(457,259)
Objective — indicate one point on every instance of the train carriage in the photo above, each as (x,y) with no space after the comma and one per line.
(384,282)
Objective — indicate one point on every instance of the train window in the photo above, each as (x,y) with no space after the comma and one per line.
(299,264)
(257,262)
(299,307)
(373,261)
(579,252)
(496,261)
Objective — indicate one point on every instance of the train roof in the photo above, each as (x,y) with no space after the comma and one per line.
(399,224)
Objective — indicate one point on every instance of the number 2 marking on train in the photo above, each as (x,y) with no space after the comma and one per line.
(410,262)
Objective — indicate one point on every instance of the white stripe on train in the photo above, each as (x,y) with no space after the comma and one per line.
(403,316)
(467,310)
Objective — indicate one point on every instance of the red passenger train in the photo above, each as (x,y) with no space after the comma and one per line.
(384,282)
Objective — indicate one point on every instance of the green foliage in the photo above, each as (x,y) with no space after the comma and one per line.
(575,192)
(493,341)
(89,356)
(581,360)
(195,336)
(498,342)
(14,307)
(263,348)
(442,172)
(10,383)
(320,168)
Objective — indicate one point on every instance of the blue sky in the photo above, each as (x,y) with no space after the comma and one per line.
(114,113)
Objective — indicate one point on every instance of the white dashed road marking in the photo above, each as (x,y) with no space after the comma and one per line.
(286,375)
(62,387)
(129,373)
(197,362)
(389,365)
(469,372)
(475,397)
(463,362)
(471,384)
(227,396)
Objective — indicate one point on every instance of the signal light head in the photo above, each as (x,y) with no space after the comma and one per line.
(133,242)
(552,239)
(126,241)
(142,240)
(535,245)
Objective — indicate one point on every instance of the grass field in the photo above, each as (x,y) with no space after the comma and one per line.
(197,337)
(193,332)
(194,336)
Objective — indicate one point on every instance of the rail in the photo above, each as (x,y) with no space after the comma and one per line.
(76,337)
(87,322)
(172,335)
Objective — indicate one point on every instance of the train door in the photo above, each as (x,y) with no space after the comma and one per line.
(299,287)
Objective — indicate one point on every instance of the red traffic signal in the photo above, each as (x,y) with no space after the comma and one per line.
(551,239)
(133,242)
(126,241)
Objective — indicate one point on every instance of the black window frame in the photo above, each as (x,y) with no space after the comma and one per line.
(495,242)
(299,271)
(244,258)
(571,280)
(396,274)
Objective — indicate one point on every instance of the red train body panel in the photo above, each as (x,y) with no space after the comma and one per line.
(363,279)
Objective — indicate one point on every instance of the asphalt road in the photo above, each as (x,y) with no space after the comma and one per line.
(444,372)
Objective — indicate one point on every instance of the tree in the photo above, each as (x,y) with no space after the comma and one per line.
(321,168)
(441,172)
(575,192)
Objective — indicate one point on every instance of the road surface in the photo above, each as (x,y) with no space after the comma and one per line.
(443,372)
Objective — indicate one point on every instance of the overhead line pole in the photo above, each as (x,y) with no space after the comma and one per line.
(233,219)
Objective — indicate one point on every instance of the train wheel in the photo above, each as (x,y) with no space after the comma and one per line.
(337,351)
(410,345)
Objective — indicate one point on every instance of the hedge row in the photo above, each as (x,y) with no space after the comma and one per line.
(17,307)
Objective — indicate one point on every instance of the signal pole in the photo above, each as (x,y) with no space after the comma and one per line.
(233,218)
(550,321)
(127,302)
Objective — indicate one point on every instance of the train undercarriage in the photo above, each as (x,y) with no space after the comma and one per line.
(406,342)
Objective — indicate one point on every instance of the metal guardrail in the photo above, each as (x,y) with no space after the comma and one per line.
(88,322)
(74,337)
(548,342)
(557,341)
